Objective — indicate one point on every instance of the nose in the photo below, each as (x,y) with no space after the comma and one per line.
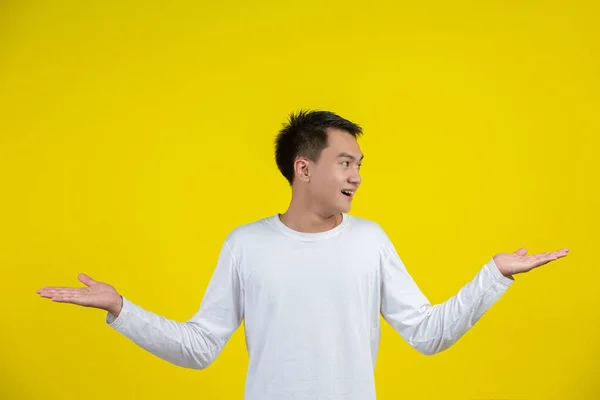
(355,179)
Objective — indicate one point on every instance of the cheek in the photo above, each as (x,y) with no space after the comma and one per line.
(325,185)
(328,180)
(334,180)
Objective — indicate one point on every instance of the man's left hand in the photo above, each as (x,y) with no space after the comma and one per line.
(518,262)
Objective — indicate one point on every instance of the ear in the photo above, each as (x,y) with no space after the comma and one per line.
(302,169)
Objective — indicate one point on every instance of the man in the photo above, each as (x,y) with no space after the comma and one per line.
(309,284)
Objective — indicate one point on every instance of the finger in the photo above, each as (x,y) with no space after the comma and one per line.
(49,291)
(540,256)
(61,291)
(69,292)
(545,257)
(521,252)
(86,280)
(46,288)
(558,253)
(66,299)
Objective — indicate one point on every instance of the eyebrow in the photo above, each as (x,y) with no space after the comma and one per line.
(350,156)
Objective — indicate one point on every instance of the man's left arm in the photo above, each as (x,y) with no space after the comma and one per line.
(431,329)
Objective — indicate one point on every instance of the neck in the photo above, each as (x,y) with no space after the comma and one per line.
(303,219)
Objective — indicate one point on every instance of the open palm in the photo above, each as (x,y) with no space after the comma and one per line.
(96,294)
(518,262)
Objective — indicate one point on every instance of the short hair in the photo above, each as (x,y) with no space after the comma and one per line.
(305,135)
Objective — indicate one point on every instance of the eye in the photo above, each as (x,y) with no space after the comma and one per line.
(346,163)
(359,165)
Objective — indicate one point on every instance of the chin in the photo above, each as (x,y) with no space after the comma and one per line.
(342,207)
(345,209)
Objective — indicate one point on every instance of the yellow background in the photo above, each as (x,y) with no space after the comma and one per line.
(134,137)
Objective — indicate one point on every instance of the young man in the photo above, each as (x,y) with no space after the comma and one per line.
(309,284)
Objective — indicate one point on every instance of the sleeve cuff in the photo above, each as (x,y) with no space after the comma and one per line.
(493,268)
(116,322)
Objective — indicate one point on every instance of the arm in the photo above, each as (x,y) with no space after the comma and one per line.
(428,328)
(197,342)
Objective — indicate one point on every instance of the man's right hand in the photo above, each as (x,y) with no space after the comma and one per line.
(96,294)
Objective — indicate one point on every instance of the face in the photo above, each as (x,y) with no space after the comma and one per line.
(335,177)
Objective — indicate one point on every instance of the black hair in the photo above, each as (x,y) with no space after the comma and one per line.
(305,135)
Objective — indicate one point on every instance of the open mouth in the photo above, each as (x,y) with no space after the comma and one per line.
(348,193)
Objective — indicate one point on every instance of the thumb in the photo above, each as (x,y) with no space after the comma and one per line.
(521,252)
(86,279)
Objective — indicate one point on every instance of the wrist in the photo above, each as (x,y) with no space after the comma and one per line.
(115,308)
(502,270)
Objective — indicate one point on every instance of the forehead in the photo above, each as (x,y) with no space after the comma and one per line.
(339,141)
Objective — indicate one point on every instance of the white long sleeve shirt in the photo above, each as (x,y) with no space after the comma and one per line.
(310,303)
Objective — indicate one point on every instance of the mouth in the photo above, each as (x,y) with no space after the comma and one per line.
(348,193)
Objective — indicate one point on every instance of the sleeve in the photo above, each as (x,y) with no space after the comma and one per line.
(428,328)
(196,343)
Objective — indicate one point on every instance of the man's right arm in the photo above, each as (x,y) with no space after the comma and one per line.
(197,342)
